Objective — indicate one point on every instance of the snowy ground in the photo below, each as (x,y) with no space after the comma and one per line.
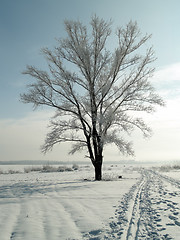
(144,204)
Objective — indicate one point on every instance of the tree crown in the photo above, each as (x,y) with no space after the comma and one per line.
(95,90)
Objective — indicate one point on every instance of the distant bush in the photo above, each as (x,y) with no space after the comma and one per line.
(164,168)
(45,168)
(60,169)
(167,168)
(13,171)
(176,167)
(49,168)
(75,167)
(68,169)
(32,169)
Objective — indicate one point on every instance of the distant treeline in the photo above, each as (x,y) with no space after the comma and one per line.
(32,162)
(52,162)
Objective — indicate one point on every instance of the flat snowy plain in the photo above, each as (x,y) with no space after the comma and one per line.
(144,204)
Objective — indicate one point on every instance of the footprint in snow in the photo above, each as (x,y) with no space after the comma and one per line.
(175,213)
(12,235)
(177,223)
(172,217)
(170,224)
(173,194)
(94,234)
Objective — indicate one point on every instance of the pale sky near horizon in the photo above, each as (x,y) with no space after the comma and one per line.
(27,26)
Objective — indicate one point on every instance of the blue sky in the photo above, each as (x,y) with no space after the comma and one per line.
(27,26)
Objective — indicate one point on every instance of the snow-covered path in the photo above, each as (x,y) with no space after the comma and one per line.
(144,204)
(150,210)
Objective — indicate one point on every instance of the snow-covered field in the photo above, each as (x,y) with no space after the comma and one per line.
(144,204)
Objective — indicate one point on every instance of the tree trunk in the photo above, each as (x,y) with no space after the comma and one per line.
(98,169)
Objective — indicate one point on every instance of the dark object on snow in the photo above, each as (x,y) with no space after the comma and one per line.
(120,177)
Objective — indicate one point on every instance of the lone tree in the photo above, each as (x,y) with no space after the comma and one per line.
(95,91)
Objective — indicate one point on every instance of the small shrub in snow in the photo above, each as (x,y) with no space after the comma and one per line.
(68,169)
(75,167)
(48,168)
(32,169)
(1,171)
(64,169)
(112,177)
(165,168)
(27,169)
(61,169)
(13,171)
(176,167)
(36,169)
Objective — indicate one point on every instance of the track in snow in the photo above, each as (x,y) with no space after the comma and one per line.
(150,210)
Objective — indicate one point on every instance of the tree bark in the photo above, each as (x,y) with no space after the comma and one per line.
(98,169)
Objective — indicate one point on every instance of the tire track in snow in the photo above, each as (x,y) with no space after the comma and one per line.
(8,220)
(29,223)
(58,222)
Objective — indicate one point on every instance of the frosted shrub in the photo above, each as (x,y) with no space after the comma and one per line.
(13,171)
(61,169)
(169,168)
(27,169)
(48,168)
(176,167)
(75,167)
(165,168)
(32,169)
(68,169)
(64,169)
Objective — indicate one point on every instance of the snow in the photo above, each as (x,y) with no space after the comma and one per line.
(143,204)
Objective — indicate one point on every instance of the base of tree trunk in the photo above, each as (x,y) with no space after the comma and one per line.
(98,171)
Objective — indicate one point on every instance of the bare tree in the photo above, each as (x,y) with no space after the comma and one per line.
(95,91)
